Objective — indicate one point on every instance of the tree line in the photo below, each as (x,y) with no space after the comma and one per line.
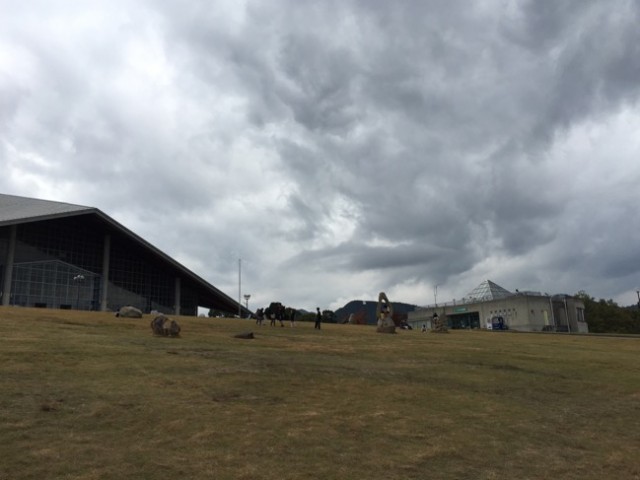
(606,316)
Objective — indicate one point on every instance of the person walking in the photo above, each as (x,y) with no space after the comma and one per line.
(318,318)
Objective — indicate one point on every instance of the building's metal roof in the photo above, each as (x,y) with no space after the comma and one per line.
(15,209)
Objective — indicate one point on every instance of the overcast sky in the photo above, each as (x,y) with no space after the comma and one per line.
(340,148)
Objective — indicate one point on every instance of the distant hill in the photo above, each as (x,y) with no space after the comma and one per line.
(364,311)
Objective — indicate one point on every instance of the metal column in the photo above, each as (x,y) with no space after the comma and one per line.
(8,269)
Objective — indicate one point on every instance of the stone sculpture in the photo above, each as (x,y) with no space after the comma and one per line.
(384,313)
(438,325)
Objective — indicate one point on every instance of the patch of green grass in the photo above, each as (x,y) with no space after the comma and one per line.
(91,396)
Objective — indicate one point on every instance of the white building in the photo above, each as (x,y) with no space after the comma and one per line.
(489,306)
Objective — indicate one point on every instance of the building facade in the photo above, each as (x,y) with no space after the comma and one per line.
(58,255)
(490,306)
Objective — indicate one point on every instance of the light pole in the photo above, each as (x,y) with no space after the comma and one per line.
(78,279)
(246,298)
(638,293)
(435,294)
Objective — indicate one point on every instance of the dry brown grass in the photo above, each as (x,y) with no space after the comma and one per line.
(90,396)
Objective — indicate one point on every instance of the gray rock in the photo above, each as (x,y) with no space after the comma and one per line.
(129,312)
(165,327)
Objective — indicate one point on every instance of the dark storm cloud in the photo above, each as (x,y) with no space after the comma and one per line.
(390,143)
(431,120)
(591,52)
(412,259)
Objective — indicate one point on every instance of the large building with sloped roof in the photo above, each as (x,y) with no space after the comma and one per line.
(491,306)
(59,255)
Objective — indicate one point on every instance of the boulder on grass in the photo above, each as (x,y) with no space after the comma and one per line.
(171,328)
(165,327)
(129,312)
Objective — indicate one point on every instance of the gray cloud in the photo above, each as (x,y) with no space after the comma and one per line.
(356,146)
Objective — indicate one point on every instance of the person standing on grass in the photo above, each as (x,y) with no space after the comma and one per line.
(318,318)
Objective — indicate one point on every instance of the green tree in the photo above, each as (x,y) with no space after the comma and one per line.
(606,316)
(329,316)
(306,317)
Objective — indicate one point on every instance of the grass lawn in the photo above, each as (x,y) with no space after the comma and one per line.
(86,395)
